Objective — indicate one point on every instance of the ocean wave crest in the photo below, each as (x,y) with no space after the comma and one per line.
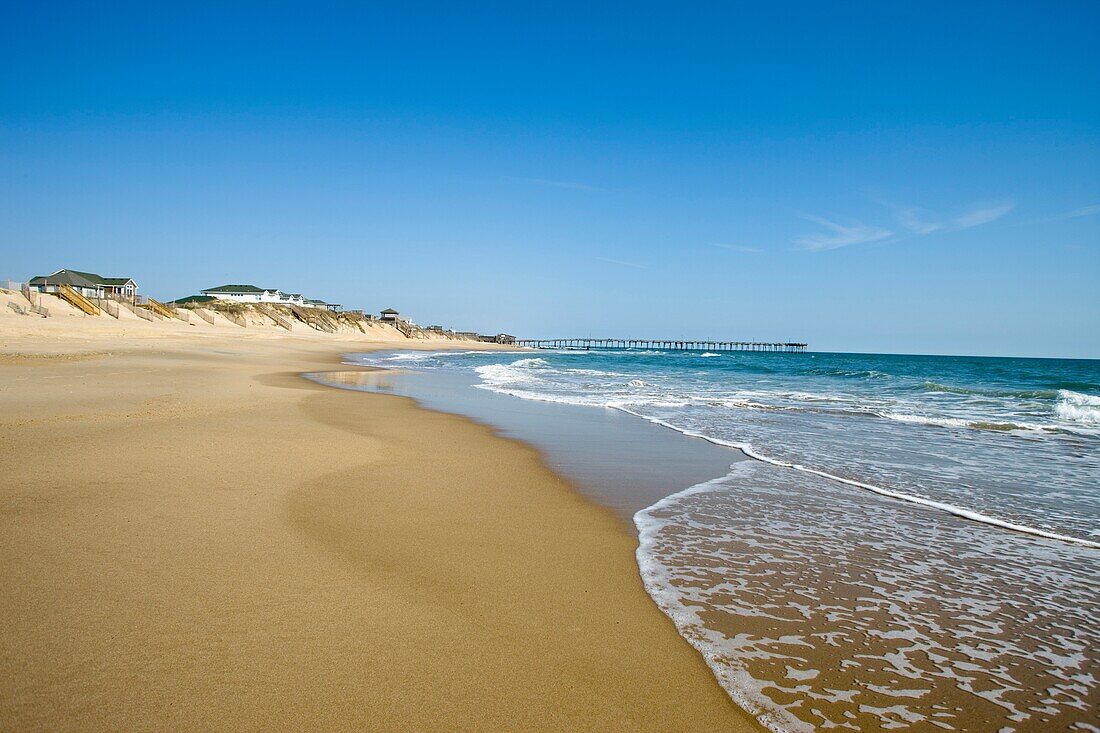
(1078,407)
(958,422)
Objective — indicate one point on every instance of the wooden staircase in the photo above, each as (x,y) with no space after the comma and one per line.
(313,318)
(159,308)
(273,315)
(408,330)
(75,299)
(138,311)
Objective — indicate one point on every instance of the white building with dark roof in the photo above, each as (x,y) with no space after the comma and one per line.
(253,294)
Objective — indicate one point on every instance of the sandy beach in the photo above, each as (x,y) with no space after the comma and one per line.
(195,537)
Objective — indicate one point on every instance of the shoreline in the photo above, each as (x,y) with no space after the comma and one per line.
(212,527)
(617,462)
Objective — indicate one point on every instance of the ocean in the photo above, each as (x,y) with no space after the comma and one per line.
(914,544)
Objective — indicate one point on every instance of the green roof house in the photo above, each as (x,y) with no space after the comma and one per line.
(240,293)
(87,284)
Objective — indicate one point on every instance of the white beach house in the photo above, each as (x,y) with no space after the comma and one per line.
(253,294)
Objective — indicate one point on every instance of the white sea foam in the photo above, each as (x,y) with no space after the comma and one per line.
(501,375)
(958,511)
(524,379)
(769,582)
(1078,407)
(958,422)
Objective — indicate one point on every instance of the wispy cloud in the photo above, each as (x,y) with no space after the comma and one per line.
(1083,211)
(916,220)
(572,185)
(624,263)
(983,215)
(735,247)
(840,235)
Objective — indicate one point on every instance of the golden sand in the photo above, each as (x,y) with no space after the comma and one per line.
(193,537)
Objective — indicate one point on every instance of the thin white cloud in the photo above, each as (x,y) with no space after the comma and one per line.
(735,247)
(915,219)
(983,215)
(624,263)
(1083,211)
(840,235)
(572,185)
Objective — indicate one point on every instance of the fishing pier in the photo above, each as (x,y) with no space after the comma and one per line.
(771,346)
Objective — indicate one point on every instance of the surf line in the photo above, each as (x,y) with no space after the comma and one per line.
(900,496)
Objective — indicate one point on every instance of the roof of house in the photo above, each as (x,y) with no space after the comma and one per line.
(315,301)
(389,311)
(235,289)
(194,299)
(78,279)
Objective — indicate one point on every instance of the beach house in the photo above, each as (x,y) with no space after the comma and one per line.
(313,303)
(87,284)
(253,294)
(389,315)
(242,294)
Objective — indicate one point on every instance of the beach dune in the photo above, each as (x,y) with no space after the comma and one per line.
(194,537)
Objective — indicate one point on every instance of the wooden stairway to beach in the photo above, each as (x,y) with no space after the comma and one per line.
(77,300)
(314,319)
(273,315)
(159,308)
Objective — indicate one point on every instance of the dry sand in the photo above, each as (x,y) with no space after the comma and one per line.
(193,537)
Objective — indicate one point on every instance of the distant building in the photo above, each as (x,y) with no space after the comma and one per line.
(241,293)
(192,300)
(500,338)
(87,284)
(334,307)
(389,315)
(253,294)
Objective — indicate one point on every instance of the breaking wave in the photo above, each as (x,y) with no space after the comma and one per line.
(539,380)
(1077,407)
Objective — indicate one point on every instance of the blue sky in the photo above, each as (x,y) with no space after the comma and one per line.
(890,177)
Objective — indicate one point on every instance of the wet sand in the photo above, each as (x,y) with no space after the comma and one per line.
(615,459)
(194,537)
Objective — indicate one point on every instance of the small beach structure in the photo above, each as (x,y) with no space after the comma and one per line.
(87,284)
(389,315)
(500,338)
(314,303)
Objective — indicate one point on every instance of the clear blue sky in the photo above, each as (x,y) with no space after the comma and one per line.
(909,177)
